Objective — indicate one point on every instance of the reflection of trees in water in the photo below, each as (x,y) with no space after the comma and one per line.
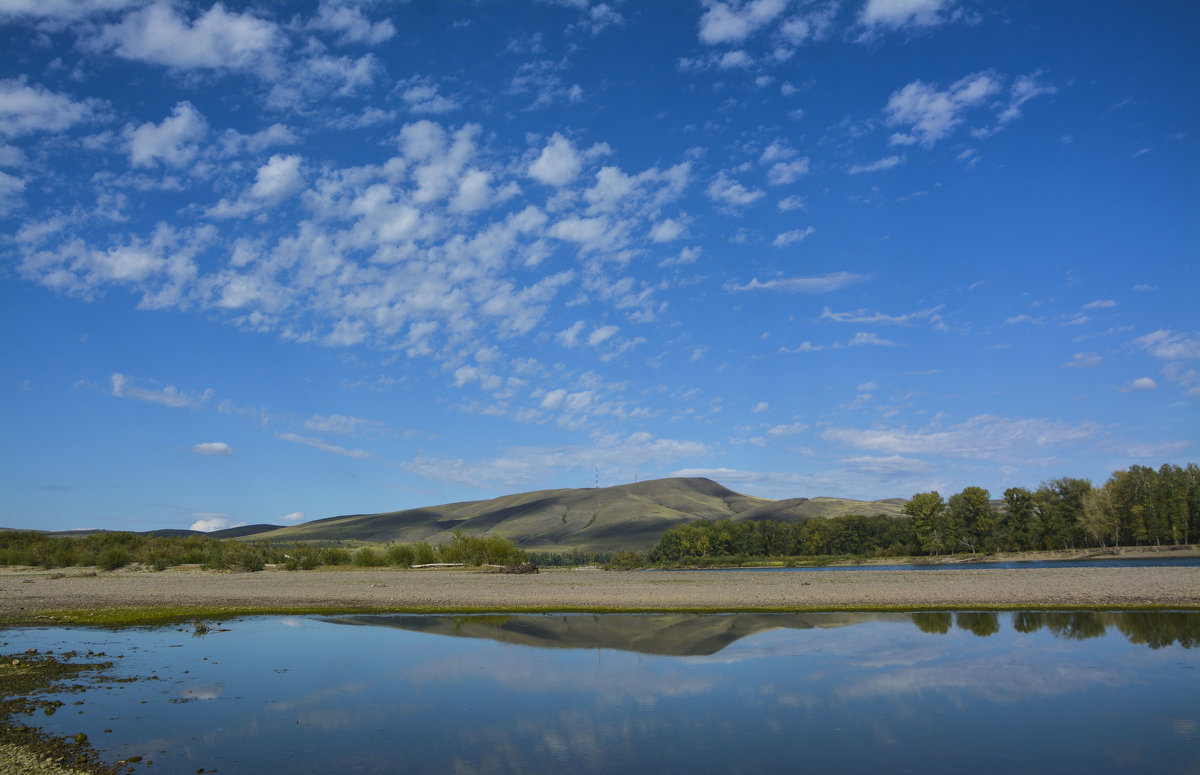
(1155,629)
(981,623)
(938,622)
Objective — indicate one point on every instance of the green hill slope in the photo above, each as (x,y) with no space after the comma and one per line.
(629,516)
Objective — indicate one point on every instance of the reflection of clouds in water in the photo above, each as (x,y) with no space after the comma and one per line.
(997,677)
(607,677)
(871,644)
(202,692)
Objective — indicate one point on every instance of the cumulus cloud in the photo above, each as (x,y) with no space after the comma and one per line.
(172,142)
(292,518)
(275,181)
(730,193)
(212,448)
(557,164)
(1170,345)
(25,109)
(159,34)
(930,114)
(734,22)
(1141,383)
(894,14)
(351,26)
(212,523)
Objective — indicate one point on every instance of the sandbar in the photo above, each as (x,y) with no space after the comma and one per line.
(27,593)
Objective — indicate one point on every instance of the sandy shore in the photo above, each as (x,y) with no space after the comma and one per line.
(26,592)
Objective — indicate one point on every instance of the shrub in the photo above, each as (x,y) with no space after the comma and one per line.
(400,554)
(627,560)
(423,554)
(114,557)
(367,557)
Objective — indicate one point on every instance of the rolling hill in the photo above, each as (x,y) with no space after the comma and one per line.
(628,516)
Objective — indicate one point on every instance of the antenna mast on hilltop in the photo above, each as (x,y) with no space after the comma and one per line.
(597,485)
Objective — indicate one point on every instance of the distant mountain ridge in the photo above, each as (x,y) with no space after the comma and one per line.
(626,516)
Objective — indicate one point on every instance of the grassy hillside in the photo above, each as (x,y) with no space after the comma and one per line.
(630,516)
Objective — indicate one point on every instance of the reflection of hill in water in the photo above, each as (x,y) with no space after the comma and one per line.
(677,635)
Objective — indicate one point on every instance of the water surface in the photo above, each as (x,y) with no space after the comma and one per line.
(934,692)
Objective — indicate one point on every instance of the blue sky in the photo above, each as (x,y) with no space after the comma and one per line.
(276,262)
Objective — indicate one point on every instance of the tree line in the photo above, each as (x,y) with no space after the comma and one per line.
(110,551)
(1138,506)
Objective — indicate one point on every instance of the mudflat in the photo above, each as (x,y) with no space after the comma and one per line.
(29,592)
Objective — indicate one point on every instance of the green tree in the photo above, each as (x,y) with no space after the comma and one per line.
(934,533)
(1021,527)
(971,511)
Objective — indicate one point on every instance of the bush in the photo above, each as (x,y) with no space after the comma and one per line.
(367,557)
(423,554)
(401,555)
(627,560)
(114,557)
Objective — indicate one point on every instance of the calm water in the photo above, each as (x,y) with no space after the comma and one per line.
(1165,561)
(924,693)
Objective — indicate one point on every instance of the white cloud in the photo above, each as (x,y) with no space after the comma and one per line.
(793,236)
(212,448)
(863,338)
(211,524)
(986,437)
(344,425)
(895,14)
(863,316)
(217,39)
(785,172)
(1083,360)
(569,337)
(734,22)
(815,284)
(1024,88)
(804,347)
(424,98)
(558,163)
(348,21)
(172,142)
(761,406)
(1170,345)
(666,230)
(615,455)
(791,203)
(931,114)
(730,193)
(787,430)
(1141,383)
(275,181)
(324,446)
(601,334)
(292,518)
(25,109)
(878,166)
(1100,304)
(123,387)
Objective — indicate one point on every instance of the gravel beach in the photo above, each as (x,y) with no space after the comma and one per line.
(26,592)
